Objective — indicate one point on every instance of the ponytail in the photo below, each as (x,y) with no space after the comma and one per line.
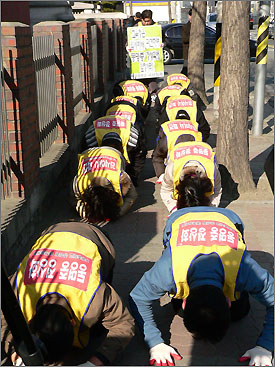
(192,191)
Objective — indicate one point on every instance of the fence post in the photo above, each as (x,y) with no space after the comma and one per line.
(111,46)
(102,47)
(86,75)
(22,119)
(63,75)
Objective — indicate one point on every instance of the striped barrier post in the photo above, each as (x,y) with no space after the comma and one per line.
(260,69)
(217,65)
(217,57)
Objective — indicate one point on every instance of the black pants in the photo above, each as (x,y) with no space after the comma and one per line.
(238,310)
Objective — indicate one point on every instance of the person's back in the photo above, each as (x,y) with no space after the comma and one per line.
(195,160)
(62,287)
(102,188)
(170,134)
(185,108)
(206,267)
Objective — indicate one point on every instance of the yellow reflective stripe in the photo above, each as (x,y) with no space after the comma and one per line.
(217,81)
(217,50)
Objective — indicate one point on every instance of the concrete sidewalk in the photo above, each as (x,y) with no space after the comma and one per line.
(138,241)
(137,238)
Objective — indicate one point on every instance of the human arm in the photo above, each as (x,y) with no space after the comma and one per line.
(216,197)
(137,156)
(130,197)
(203,127)
(260,285)
(151,287)
(108,308)
(160,154)
(167,188)
(90,137)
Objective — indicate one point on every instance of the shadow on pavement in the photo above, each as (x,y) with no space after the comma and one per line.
(257,164)
(229,187)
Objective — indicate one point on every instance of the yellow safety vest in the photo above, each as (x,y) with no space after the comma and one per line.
(201,152)
(133,88)
(99,162)
(123,110)
(169,91)
(205,233)
(128,99)
(177,103)
(116,124)
(179,79)
(64,263)
(173,129)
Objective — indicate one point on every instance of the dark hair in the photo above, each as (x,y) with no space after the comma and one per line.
(147,14)
(113,140)
(190,12)
(52,325)
(191,191)
(182,115)
(138,14)
(101,203)
(117,89)
(206,314)
(184,138)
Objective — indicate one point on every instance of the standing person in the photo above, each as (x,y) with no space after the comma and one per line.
(63,288)
(137,17)
(207,269)
(102,188)
(185,43)
(151,83)
(146,18)
(194,161)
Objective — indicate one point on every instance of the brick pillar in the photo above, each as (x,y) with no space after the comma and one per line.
(111,44)
(124,40)
(101,53)
(119,45)
(21,105)
(86,65)
(64,92)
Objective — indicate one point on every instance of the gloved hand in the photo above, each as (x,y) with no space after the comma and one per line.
(18,362)
(87,364)
(258,356)
(162,354)
(160,179)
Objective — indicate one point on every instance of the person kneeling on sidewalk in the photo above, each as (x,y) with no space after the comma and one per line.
(63,289)
(102,188)
(193,161)
(208,271)
(170,134)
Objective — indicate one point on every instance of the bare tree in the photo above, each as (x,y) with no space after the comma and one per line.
(232,137)
(196,48)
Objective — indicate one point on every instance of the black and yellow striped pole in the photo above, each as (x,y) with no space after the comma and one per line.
(260,69)
(217,56)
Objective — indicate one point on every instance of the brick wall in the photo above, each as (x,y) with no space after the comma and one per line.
(20,93)
(20,86)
